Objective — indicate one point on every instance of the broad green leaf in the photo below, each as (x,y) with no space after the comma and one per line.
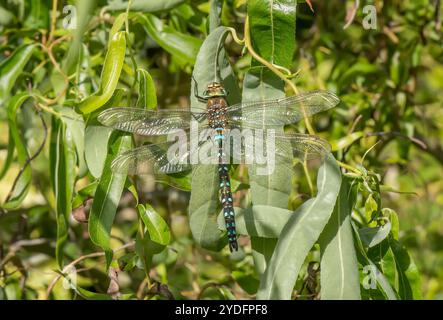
(409,282)
(270,189)
(366,262)
(143,5)
(12,67)
(116,27)
(272,29)
(373,236)
(258,221)
(211,65)
(182,46)
(386,261)
(18,192)
(339,268)
(246,281)
(89,295)
(5,16)
(157,227)
(262,250)
(146,249)
(96,141)
(76,125)
(215,14)
(9,157)
(62,163)
(97,137)
(83,16)
(393,218)
(108,193)
(359,68)
(112,67)
(38,17)
(147,96)
(300,234)
(83,73)
(370,207)
(84,194)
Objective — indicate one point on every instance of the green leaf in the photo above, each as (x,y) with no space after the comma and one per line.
(373,236)
(370,207)
(339,268)
(262,250)
(38,17)
(76,126)
(393,218)
(112,67)
(97,137)
(211,65)
(12,67)
(215,14)
(96,141)
(108,193)
(272,29)
(365,261)
(409,282)
(5,16)
(90,295)
(84,194)
(118,24)
(9,157)
(146,249)
(157,227)
(147,96)
(246,281)
(143,5)
(19,191)
(62,163)
(182,46)
(258,221)
(83,16)
(300,234)
(346,141)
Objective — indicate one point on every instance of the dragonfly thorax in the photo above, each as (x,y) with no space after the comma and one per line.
(217,108)
(214,89)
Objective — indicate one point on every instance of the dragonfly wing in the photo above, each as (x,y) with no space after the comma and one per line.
(149,122)
(279,112)
(163,158)
(278,147)
(301,146)
(151,159)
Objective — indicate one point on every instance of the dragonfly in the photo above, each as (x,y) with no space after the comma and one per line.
(219,117)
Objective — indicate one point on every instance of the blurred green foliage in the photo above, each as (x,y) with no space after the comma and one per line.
(55,78)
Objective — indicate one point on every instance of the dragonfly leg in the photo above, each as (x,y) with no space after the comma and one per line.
(200,98)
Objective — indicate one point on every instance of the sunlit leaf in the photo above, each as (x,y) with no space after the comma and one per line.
(299,235)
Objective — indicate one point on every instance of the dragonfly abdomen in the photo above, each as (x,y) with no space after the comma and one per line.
(226,194)
(228,207)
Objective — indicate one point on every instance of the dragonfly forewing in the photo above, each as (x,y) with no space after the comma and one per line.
(279,112)
(150,122)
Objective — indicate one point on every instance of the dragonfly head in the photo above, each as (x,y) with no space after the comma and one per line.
(214,89)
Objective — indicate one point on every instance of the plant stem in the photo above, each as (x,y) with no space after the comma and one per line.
(275,70)
(80,259)
(53,20)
